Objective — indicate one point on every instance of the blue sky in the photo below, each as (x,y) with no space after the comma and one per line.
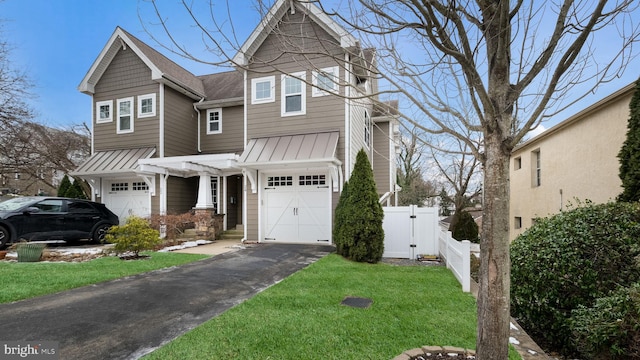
(56,41)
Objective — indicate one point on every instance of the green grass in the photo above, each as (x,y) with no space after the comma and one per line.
(20,281)
(301,317)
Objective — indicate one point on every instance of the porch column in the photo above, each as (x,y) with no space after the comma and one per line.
(204,192)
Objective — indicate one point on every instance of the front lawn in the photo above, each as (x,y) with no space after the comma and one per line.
(25,280)
(302,318)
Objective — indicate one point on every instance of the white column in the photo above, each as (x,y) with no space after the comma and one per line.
(204,192)
(224,201)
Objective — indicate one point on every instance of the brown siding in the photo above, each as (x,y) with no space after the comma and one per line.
(126,76)
(182,194)
(381,159)
(180,123)
(252,216)
(323,112)
(231,140)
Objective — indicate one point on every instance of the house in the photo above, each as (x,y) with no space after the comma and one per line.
(268,144)
(574,161)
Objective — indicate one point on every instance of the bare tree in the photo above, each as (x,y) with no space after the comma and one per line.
(494,68)
(460,170)
(411,164)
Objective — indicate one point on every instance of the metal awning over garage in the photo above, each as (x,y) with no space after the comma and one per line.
(292,151)
(113,162)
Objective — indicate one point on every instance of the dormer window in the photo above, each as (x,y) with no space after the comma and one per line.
(104,111)
(293,94)
(125,115)
(263,90)
(325,81)
(146,105)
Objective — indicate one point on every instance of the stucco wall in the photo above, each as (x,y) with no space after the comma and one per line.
(578,160)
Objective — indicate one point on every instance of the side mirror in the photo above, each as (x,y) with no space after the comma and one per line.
(31,210)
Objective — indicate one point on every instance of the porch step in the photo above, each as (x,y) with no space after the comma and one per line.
(236,234)
(189,234)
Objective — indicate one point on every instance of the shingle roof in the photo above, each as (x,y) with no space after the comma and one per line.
(170,69)
(225,85)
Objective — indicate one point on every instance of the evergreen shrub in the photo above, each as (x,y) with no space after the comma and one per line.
(570,260)
(134,236)
(465,228)
(358,232)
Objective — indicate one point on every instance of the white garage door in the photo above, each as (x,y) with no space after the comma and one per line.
(297,208)
(128,197)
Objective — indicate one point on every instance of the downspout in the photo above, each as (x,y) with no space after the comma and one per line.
(245,194)
(347,125)
(195,108)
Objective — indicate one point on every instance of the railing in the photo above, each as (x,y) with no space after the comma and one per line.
(456,254)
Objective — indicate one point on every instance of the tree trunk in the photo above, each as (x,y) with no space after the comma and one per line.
(493,295)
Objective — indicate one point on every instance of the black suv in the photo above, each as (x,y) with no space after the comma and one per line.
(53,218)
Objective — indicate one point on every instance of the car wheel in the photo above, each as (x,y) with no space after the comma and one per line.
(99,233)
(4,237)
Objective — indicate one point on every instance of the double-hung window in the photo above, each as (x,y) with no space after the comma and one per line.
(325,81)
(293,94)
(214,121)
(146,105)
(367,129)
(125,115)
(104,111)
(263,90)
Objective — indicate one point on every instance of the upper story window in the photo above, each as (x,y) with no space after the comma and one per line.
(293,94)
(263,90)
(535,169)
(517,163)
(104,111)
(325,81)
(367,129)
(214,121)
(146,105)
(125,115)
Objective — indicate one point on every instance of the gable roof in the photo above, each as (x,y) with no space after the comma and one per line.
(275,14)
(162,69)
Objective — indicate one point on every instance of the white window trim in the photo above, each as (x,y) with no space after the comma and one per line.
(302,76)
(272,86)
(368,129)
(100,104)
(119,115)
(219,111)
(317,91)
(153,100)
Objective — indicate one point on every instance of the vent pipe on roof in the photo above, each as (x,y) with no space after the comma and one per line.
(293,8)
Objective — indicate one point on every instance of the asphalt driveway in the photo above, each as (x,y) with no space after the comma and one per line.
(132,316)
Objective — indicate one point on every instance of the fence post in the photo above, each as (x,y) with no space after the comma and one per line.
(466,265)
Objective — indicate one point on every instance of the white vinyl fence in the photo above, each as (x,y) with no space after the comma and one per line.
(410,231)
(457,255)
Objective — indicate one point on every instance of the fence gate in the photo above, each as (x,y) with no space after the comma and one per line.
(409,231)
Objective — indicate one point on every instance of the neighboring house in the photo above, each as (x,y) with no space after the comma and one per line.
(269,145)
(571,162)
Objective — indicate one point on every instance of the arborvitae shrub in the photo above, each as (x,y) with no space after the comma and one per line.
(570,260)
(465,228)
(65,183)
(358,230)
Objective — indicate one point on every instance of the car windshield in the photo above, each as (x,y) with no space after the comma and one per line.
(14,204)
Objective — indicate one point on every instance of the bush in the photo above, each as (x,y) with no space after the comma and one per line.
(569,260)
(465,228)
(358,232)
(610,329)
(134,236)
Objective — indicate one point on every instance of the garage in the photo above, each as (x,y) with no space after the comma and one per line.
(296,208)
(126,197)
